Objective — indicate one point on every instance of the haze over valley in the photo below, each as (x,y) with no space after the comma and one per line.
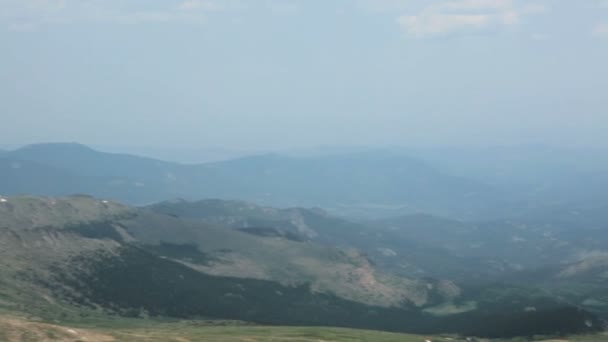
(290,170)
(423,244)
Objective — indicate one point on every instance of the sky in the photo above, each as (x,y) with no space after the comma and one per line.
(268,74)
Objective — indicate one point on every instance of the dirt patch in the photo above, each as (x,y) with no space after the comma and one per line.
(14,329)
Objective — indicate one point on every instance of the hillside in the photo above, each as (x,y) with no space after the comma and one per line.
(212,250)
(370,182)
(64,257)
(23,177)
(402,251)
(559,249)
(554,248)
(422,245)
(538,175)
(300,223)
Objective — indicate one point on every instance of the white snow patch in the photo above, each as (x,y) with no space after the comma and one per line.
(105,202)
(3,200)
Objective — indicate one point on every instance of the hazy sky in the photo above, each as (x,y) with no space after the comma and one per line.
(287,73)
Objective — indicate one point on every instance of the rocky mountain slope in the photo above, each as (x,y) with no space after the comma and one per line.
(80,252)
(55,229)
(562,250)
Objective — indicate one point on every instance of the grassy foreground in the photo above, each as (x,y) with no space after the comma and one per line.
(14,328)
(18,329)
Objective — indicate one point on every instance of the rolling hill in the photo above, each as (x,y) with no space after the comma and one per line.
(205,248)
(554,248)
(359,182)
(401,250)
(457,183)
(421,244)
(68,257)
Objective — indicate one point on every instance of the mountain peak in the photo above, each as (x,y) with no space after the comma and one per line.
(55,147)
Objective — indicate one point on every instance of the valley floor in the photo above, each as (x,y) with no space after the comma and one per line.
(15,328)
(18,329)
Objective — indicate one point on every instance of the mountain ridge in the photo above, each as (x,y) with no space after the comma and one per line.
(365,179)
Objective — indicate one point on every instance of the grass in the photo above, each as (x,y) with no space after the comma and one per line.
(226,334)
(14,328)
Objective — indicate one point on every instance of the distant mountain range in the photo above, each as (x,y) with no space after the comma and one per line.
(373,182)
(363,183)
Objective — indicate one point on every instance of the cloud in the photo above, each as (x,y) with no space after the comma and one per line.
(284,7)
(534,9)
(475,5)
(28,15)
(194,5)
(418,18)
(600,30)
(510,17)
(381,5)
(539,36)
(141,17)
(435,24)
(465,17)
(22,27)
(31,15)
